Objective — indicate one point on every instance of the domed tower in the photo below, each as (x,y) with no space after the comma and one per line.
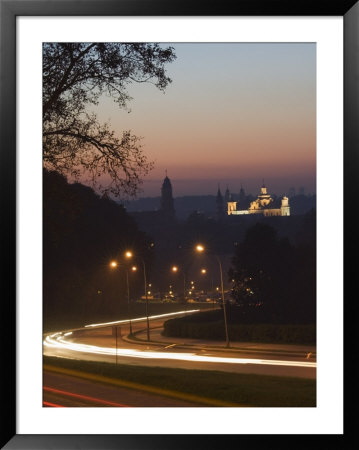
(264,199)
(264,193)
(166,198)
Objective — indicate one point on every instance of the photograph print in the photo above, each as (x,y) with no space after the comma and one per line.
(179,224)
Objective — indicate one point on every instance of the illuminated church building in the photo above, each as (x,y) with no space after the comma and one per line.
(264,204)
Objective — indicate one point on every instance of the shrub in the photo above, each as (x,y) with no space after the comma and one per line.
(187,327)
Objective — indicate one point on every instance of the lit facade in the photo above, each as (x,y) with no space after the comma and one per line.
(264,204)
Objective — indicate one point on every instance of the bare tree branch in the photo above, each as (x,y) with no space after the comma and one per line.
(75,75)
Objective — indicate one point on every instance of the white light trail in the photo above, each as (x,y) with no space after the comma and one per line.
(140,319)
(61,343)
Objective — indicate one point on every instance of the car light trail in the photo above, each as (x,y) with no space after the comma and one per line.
(53,405)
(59,342)
(82,397)
(140,319)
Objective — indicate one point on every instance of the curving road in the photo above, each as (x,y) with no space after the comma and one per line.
(98,342)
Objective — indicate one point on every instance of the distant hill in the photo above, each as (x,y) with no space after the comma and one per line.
(206,204)
(184,206)
(143,204)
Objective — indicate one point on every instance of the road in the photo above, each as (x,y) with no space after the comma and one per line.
(61,390)
(99,343)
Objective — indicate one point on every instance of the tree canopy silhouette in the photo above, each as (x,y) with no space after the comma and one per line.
(75,75)
(274,280)
(82,233)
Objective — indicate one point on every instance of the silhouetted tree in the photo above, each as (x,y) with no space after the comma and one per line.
(262,271)
(273,279)
(75,75)
(306,272)
(82,233)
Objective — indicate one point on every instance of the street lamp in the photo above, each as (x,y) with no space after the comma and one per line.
(128,255)
(204,272)
(114,265)
(175,270)
(200,249)
(146,297)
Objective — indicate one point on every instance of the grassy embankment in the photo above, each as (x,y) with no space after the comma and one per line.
(236,389)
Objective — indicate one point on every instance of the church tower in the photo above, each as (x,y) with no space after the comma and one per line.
(264,199)
(227,196)
(166,198)
(219,204)
(285,208)
(242,198)
(264,193)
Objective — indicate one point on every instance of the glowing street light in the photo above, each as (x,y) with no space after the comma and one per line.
(204,272)
(200,249)
(129,255)
(147,293)
(114,265)
(175,269)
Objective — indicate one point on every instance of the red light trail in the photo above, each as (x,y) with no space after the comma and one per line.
(80,397)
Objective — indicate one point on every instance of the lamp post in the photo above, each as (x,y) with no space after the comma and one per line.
(200,249)
(175,269)
(114,265)
(129,255)
(128,301)
(146,296)
(204,272)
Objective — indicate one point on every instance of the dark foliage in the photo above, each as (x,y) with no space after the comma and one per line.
(275,280)
(199,328)
(82,233)
(75,76)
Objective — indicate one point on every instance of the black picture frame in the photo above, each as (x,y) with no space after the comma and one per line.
(9,10)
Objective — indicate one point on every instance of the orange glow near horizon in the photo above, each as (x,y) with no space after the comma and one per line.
(260,121)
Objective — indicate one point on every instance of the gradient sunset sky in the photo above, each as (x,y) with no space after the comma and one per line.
(234,114)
